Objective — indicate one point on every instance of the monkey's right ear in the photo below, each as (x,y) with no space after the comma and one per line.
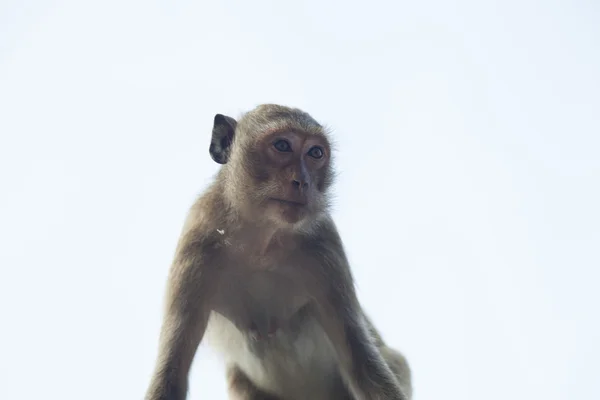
(222,137)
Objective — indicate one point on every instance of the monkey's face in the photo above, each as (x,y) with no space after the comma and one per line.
(290,170)
(278,165)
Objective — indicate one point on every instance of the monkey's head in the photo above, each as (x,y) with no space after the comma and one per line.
(277,165)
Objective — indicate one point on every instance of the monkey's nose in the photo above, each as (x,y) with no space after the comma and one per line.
(300,184)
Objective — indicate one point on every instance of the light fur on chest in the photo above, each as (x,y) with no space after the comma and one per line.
(292,364)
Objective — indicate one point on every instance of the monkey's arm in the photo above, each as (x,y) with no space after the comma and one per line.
(362,366)
(184,323)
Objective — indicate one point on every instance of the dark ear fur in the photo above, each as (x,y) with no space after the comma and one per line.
(222,137)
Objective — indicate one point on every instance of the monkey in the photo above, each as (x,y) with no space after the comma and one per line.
(260,272)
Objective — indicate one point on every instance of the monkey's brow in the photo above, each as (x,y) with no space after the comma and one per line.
(293,129)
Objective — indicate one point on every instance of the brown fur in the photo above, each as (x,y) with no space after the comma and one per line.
(267,282)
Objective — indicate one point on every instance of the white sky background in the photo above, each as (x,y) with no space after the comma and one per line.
(468,197)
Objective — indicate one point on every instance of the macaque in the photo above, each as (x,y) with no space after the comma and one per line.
(260,272)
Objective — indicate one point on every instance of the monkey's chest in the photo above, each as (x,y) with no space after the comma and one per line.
(258,300)
(295,363)
(290,355)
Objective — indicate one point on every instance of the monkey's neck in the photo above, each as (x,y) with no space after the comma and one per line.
(254,238)
(260,242)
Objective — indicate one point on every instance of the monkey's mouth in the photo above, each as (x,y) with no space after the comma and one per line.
(294,203)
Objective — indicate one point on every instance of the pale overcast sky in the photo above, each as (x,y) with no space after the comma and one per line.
(468,197)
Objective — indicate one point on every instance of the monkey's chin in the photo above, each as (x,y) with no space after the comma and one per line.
(288,212)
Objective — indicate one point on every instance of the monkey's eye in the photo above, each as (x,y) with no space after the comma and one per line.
(316,152)
(282,145)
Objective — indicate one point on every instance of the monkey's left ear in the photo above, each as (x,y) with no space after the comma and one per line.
(222,137)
